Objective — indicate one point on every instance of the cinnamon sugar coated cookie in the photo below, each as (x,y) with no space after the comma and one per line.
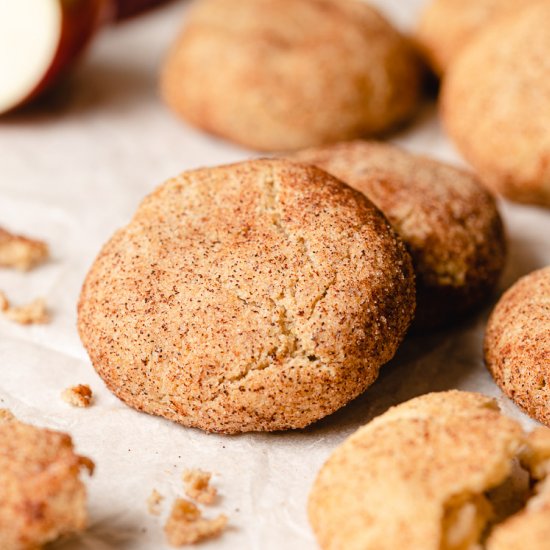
(446,26)
(496,104)
(417,476)
(285,74)
(517,344)
(449,222)
(41,494)
(257,296)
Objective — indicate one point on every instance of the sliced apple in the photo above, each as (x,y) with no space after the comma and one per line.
(39,41)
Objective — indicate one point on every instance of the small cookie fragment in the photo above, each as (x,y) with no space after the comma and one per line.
(78,396)
(41,494)
(154,502)
(35,312)
(197,486)
(185,525)
(517,344)
(6,415)
(21,252)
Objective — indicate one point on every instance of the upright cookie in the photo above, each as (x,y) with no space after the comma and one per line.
(286,74)
(41,494)
(517,344)
(496,104)
(449,222)
(445,26)
(417,477)
(257,296)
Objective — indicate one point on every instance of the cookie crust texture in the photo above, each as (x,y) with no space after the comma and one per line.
(257,296)
(517,344)
(446,26)
(496,105)
(285,74)
(41,494)
(399,481)
(449,222)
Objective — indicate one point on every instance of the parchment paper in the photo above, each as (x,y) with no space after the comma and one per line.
(72,171)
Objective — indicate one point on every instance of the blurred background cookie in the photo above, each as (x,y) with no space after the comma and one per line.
(257,296)
(517,344)
(417,476)
(445,26)
(285,74)
(496,104)
(448,221)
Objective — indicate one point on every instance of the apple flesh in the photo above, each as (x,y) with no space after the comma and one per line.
(40,40)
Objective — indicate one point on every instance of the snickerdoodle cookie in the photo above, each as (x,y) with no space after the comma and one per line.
(445,26)
(449,222)
(41,494)
(256,296)
(496,104)
(416,477)
(286,74)
(517,344)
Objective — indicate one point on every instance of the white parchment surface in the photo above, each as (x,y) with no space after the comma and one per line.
(72,171)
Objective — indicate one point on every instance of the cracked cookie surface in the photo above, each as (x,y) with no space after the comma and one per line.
(257,296)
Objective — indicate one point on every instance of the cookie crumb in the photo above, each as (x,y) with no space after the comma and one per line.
(6,416)
(87,463)
(21,252)
(32,313)
(153,502)
(78,396)
(197,486)
(4,302)
(185,525)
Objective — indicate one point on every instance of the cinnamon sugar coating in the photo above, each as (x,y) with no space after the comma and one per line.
(517,344)
(256,296)
(448,220)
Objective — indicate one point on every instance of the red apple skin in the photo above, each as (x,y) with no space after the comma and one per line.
(128,8)
(80,21)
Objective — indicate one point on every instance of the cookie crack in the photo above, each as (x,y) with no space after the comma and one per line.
(291,345)
(272,205)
